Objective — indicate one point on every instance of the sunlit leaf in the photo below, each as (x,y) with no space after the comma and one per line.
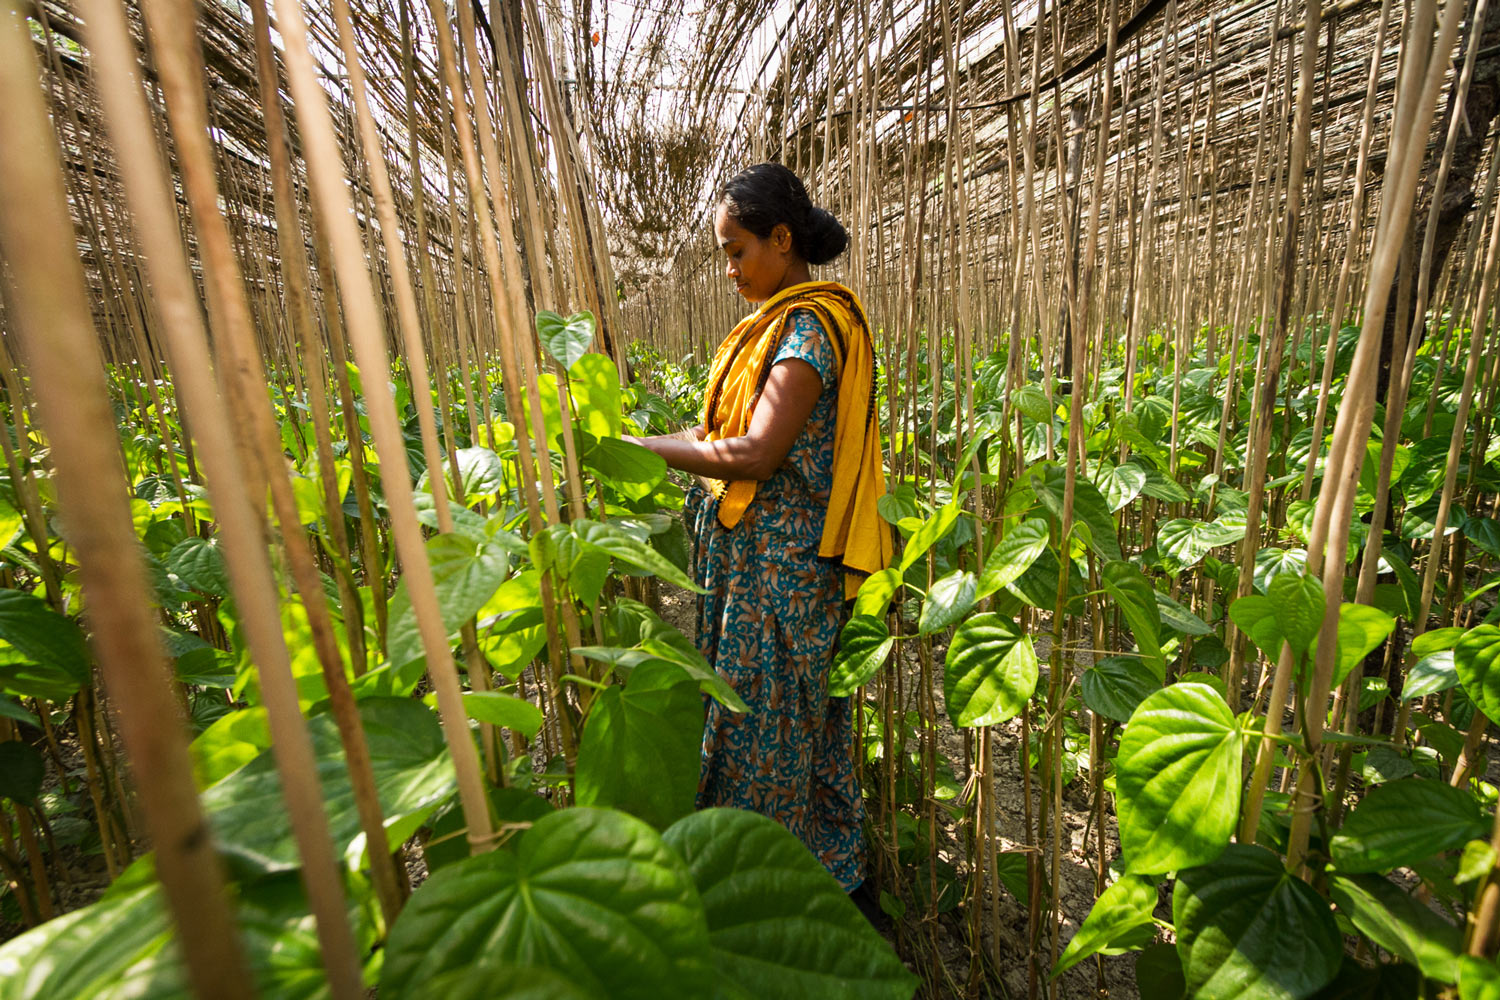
(1178,779)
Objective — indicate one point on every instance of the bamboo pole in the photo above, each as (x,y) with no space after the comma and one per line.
(335,214)
(49,298)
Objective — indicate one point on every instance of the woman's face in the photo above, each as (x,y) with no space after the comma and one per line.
(757,266)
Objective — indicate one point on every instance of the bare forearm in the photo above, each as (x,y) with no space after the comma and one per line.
(731,458)
(790,393)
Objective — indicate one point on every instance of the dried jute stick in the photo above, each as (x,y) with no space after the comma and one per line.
(50,305)
(240,528)
(335,214)
(330,657)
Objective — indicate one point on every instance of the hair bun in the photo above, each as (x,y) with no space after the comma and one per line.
(826,237)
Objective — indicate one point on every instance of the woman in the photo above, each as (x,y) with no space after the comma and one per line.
(784,521)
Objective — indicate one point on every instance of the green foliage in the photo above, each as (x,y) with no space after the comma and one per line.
(641,744)
(592,895)
(1246,927)
(1120,921)
(779,926)
(1379,834)
(1178,786)
(990,673)
(413,775)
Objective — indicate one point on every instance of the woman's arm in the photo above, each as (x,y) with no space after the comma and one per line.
(780,414)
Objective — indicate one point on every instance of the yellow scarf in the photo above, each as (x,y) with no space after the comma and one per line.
(854,529)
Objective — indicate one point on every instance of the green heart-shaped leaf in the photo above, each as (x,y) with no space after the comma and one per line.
(779,926)
(506,710)
(948,600)
(1116,685)
(1013,555)
(592,894)
(1380,834)
(1477,659)
(1137,599)
(1247,928)
(409,758)
(641,743)
(1120,921)
(864,645)
(566,340)
(990,671)
(1178,779)
(1391,918)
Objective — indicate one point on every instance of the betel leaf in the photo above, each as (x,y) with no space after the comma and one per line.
(466,574)
(1132,592)
(1013,555)
(412,769)
(1484,532)
(1478,858)
(875,593)
(1361,629)
(1120,921)
(1380,834)
(234,740)
(490,979)
(1385,763)
(928,534)
(1119,484)
(1246,927)
(582,568)
(1298,604)
(1178,779)
(779,926)
(1430,675)
(990,671)
(506,710)
(631,551)
(1290,612)
(480,471)
(566,340)
(124,945)
(629,468)
(1436,641)
(42,635)
(1386,981)
(11,710)
(664,642)
(198,563)
(1389,916)
(948,600)
(594,895)
(1180,542)
(1477,660)
(1032,401)
(1271,563)
(1254,615)
(1175,616)
(864,645)
(1158,973)
(1038,585)
(594,387)
(1478,979)
(1116,685)
(640,746)
(1089,508)
(21,772)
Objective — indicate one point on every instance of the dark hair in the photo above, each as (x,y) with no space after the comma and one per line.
(767,194)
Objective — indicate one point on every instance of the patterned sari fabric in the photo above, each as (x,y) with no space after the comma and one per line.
(770,625)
